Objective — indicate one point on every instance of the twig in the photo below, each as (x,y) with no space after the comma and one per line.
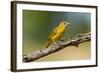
(54,48)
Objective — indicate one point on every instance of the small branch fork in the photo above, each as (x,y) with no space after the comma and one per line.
(75,41)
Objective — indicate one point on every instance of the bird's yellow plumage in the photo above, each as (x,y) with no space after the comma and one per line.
(57,33)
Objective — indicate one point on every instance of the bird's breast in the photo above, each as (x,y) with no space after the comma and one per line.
(59,34)
(61,31)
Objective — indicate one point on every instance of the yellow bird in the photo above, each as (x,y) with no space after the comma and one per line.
(57,33)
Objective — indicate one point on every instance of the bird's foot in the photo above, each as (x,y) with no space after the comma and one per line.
(57,44)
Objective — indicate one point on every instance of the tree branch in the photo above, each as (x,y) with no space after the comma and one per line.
(75,41)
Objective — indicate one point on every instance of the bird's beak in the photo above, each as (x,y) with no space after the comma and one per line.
(68,23)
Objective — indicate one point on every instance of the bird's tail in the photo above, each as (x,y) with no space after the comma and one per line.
(47,44)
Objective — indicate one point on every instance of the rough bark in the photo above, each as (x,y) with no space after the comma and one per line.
(75,41)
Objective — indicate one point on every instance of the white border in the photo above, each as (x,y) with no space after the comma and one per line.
(21,65)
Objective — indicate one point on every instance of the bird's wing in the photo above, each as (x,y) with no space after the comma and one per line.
(54,32)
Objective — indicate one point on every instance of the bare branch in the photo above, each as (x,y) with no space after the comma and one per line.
(75,41)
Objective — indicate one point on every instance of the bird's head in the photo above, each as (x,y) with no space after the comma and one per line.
(64,24)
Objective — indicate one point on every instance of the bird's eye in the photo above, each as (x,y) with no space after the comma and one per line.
(64,23)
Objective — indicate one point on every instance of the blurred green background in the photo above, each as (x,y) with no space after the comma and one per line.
(37,26)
